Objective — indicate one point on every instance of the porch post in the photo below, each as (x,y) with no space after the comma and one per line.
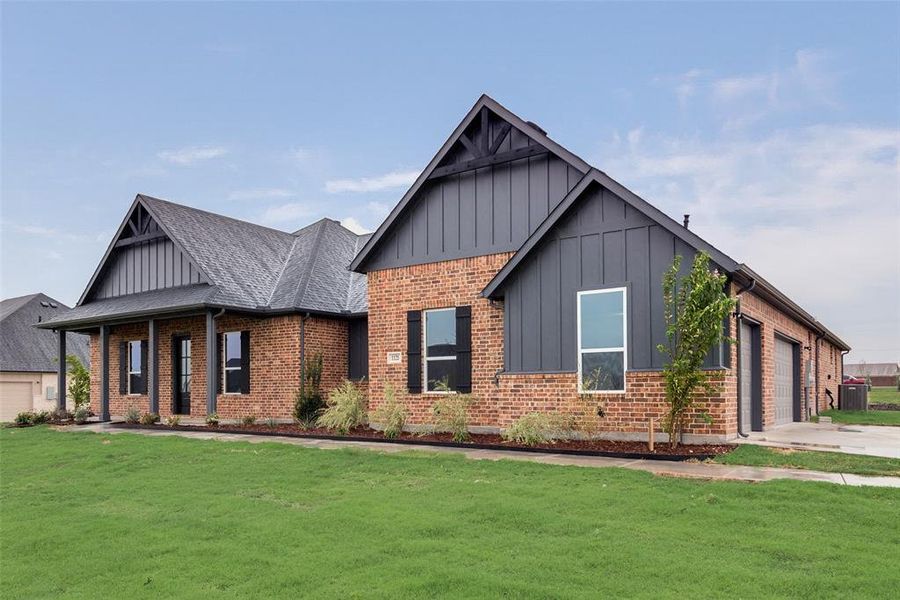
(61,374)
(152,359)
(104,372)
(211,375)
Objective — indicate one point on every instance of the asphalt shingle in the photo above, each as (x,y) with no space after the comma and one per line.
(24,347)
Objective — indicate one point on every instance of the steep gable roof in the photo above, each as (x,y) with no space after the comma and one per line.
(457,139)
(23,347)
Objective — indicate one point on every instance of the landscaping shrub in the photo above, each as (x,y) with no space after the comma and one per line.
(132,415)
(271,423)
(248,419)
(41,417)
(60,415)
(538,428)
(149,418)
(212,419)
(450,414)
(79,389)
(81,414)
(25,419)
(346,409)
(173,420)
(308,401)
(391,414)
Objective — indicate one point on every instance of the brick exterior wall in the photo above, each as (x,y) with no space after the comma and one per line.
(500,399)
(274,363)
(774,321)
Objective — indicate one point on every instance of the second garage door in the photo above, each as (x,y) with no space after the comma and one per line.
(784,382)
(15,397)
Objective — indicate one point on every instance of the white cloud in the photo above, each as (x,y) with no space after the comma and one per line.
(193,154)
(814,210)
(394,179)
(287,213)
(261,194)
(355,226)
(42,231)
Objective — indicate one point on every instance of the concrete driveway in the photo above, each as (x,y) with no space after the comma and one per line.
(872,440)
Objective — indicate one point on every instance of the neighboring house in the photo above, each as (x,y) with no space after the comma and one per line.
(511,269)
(29,364)
(878,374)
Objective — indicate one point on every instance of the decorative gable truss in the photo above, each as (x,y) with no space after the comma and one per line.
(142,257)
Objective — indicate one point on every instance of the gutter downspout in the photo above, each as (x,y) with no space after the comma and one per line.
(816,372)
(303,319)
(740,319)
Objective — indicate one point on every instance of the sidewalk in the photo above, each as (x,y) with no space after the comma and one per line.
(673,469)
(870,440)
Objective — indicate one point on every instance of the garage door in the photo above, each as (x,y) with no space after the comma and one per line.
(15,397)
(784,382)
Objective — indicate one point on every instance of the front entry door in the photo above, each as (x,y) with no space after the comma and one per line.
(181,375)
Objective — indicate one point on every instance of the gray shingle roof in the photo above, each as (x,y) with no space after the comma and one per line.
(249,267)
(873,369)
(24,347)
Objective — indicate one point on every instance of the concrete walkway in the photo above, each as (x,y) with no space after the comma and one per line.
(673,469)
(871,440)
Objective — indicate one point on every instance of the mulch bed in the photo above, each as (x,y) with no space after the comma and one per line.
(609,448)
(884,407)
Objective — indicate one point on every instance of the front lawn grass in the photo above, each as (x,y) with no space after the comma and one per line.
(135,516)
(833,462)
(863,417)
(884,395)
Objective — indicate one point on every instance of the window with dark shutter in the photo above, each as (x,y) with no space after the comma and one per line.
(464,349)
(142,386)
(233,364)
(123,368)
(414,351)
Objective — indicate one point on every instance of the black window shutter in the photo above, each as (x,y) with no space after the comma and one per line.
(464,349)
(414,351)
(144,373)
(123,368)
(176,369)
(245,362)
(219,338)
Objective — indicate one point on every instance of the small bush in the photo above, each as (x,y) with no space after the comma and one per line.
(450,414)
(41,417)
(248,419)
(132,415)
(81,414)
(346,409)
(173,420)
(391,414)
(149,419)
(212,419)
(61,415)
(271,423)
(25,419)
(538,428)
(308,401)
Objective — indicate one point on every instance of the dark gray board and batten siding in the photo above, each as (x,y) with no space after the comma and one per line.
(479,212)
(144,267)
(601,243)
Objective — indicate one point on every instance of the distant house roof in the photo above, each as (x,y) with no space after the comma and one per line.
(243,266)
(873,369)
(24,347)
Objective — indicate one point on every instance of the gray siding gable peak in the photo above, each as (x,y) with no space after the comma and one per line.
(528,129)
(595,176)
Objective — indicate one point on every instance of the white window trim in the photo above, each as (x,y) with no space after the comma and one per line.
(225,367)
(425,357)
(131,370)
(623,349)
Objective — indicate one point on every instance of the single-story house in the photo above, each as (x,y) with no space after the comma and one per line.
(511,269)
(877,374)
(29,364)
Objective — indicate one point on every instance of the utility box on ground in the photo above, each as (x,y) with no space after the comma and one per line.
(853,397)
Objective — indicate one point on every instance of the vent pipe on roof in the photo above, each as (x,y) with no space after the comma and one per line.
(687,218)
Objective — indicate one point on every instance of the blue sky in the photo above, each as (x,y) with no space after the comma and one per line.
(775,125)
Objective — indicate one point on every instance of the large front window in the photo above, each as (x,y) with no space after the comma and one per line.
(134,367)
(232,362)
(602,340)
(440,350)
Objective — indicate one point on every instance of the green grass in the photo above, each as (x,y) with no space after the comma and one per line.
(115,516)
(884,395)
(833,462)
(863,417)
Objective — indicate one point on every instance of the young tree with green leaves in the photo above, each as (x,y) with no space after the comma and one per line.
(79,388)
(695,308)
